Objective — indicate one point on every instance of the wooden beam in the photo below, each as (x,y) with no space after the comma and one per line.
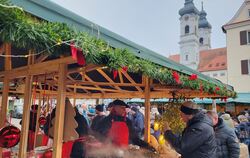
(73,80)
(89,79)
(131,80)
(7,63)
(39,68)
(60,112)
(41,58)
(31,58)
(87,68)
(25,118)
(4,105)
(147,110)
(120,76)
(107,78)
(91,82)
(95,88)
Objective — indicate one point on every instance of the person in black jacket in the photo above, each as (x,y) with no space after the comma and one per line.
(198,138)
(98,118)
(227,143)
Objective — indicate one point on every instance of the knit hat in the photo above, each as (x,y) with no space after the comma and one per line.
(189,108)
(99,107)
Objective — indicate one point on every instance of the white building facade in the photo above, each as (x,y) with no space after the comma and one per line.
(238,49)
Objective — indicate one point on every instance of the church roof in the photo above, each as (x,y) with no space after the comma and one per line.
(203,23)
(188,8)
(210,60)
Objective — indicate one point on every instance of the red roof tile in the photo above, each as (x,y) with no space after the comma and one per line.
(213,60)
(210,60)
(175,58)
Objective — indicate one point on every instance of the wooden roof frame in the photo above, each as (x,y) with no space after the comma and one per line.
(58,75)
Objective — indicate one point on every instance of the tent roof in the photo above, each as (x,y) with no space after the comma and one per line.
(52,12)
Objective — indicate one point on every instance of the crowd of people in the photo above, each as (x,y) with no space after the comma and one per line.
(207,134)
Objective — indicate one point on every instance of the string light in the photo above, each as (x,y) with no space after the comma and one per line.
(28,55)
(13,7)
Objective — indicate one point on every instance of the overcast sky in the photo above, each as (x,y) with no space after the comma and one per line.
(152,23)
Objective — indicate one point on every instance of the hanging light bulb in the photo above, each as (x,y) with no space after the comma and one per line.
(161,139)
(156,126)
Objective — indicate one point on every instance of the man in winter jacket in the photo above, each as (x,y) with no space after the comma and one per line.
(227,143)
(197,139)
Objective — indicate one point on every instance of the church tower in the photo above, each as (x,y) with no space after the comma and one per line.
(189,35)
(204,31)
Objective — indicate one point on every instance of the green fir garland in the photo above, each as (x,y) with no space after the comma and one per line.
(25,31)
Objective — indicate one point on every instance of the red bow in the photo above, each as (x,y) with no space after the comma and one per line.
(193,77)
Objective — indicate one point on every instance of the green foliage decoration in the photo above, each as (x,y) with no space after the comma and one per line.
(26,31)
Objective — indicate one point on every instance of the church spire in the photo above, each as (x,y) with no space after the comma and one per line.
(203,23)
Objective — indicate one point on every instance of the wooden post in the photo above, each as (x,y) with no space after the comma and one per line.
(60,111)
(5,94)
(25,118)
(147,110)
(4,105)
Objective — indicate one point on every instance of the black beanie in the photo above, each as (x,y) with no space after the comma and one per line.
(99,107)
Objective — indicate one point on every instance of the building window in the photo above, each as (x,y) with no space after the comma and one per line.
(215,75)
(223,64)
(186,57)
(248,37)
(244,37)
(222,74)
(201,41)
(248,12)
(245,67)
(186,29)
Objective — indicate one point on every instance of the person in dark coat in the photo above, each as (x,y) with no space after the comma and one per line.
(198,138)
(138,121)
(243,130)
(117,128)
(97,119)
(227,142)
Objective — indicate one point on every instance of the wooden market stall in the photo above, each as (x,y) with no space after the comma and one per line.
(71,61)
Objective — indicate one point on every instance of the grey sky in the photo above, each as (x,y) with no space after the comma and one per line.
(152,23)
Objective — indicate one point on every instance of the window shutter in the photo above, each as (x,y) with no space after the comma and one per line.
(244,67)
(243,37)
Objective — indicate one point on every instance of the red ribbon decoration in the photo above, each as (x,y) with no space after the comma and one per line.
(115,72)
(80,58)
(78,55)
(216,89)
(193,77)
(176,77)
(73,51)
(125,68)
